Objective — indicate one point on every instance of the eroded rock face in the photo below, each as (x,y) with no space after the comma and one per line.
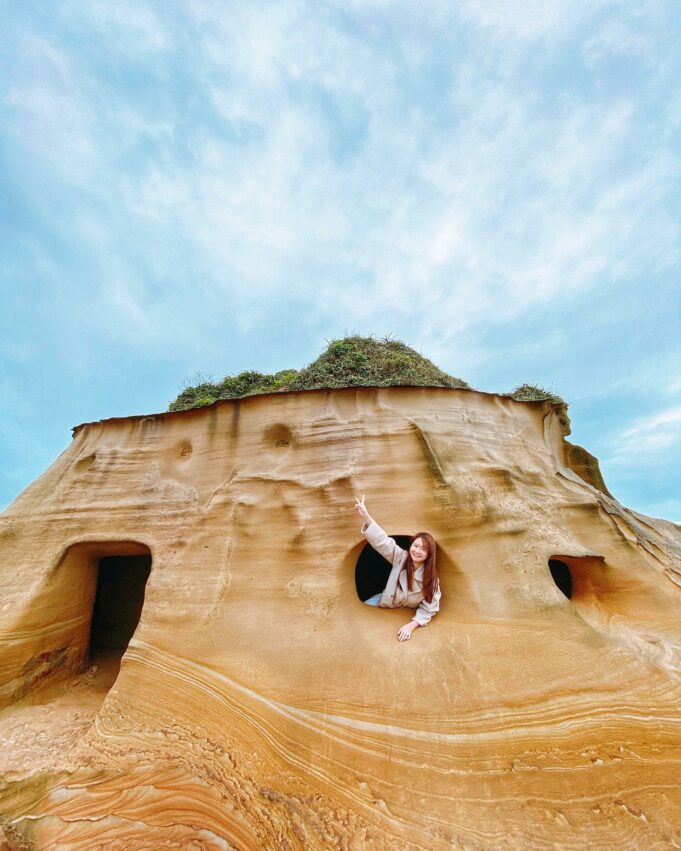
(260,704)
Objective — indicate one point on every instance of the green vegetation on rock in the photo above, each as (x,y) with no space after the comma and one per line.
(534,393)
(232,387)
(366,362)
(349,362)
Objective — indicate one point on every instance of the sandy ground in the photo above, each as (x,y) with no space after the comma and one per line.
(38,732)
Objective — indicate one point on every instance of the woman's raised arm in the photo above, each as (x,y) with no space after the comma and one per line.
(362,509)
(378,539)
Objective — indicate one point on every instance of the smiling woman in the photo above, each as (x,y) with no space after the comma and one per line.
(413,581)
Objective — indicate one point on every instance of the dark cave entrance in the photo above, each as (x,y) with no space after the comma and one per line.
(560,573)
(372,570)
(119,598)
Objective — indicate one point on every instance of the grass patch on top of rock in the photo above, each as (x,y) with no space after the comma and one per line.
(367,362)
(535,393)
(349,362)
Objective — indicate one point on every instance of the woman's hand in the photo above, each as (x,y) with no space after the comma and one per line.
(404,632)
(362,509)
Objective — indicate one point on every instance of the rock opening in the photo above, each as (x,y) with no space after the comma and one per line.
(372,570)
(98,592)
(561,575)
(118,602)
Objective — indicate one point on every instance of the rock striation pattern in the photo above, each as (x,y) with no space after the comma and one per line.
(259,703)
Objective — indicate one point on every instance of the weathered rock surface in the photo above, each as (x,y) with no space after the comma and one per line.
(260,704)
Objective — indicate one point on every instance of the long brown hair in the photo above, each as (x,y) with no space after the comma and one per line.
(430,579)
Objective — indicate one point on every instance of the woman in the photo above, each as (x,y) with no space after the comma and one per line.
(413,580)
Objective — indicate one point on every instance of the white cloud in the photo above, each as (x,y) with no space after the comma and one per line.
(51,120)
(652,378)
(616,38)
(478,205)
(527,213)
(127,26)
(649,438)
(529,18)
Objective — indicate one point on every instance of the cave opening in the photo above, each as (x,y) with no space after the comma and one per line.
(119,598)
(372,570)
(560,573)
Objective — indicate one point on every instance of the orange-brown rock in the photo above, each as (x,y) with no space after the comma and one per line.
(260,704)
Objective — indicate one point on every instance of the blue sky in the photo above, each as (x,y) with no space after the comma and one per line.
(209,187)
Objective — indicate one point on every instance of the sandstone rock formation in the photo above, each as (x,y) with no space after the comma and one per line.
(260,704)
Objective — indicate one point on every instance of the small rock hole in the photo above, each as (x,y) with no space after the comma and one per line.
(372,570)
(86,462)
(278,435)
(560,573)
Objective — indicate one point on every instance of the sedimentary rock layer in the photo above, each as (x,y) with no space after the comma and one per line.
(260,704)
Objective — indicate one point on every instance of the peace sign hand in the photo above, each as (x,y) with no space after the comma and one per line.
(361,509)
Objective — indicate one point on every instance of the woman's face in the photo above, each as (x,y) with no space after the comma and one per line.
(418,551)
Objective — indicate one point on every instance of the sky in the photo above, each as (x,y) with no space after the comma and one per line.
(207,187)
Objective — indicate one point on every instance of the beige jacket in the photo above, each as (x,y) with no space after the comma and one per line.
(396,593)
